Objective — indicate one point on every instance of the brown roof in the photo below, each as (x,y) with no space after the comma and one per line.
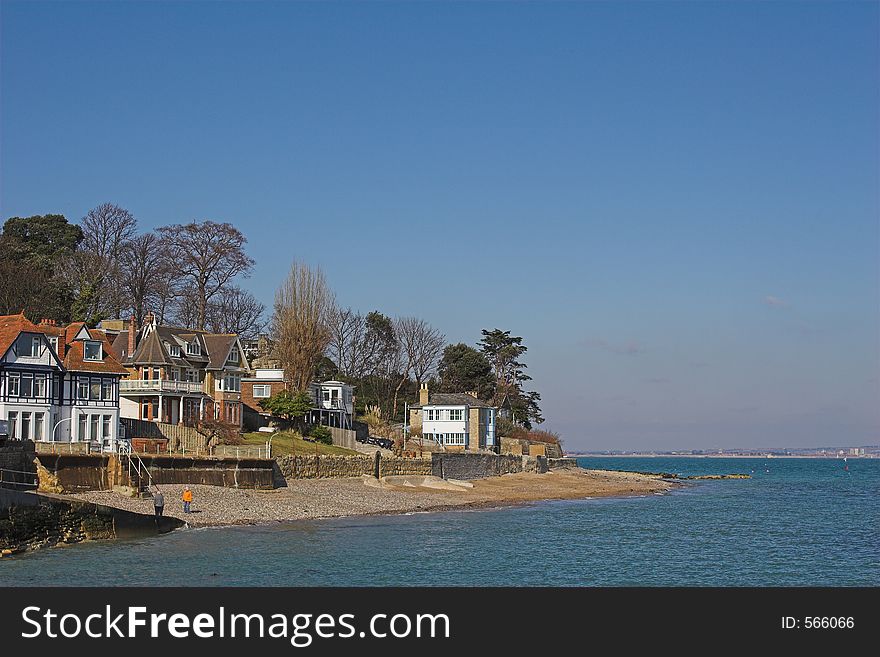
(12,325)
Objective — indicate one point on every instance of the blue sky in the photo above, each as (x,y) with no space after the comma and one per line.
(675,204)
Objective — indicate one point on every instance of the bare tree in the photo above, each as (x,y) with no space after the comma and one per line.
(303,305)
(420,347)
(237,311)
(209,255)
(94,268)
(143,270)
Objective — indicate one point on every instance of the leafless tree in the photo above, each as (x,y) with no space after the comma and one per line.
(303,305)
(237,311)
(143,273)
(208,255)
(93,269)
(420,348)
(347,329)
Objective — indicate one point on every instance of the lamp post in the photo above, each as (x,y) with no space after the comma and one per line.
(57,424)
(269,445)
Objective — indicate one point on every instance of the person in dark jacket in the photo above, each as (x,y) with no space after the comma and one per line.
(158,502)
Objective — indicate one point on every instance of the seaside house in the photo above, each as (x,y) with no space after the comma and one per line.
(178,375)
(332,401)
(58,383)
(456,421)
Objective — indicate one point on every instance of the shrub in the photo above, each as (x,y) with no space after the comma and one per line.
(539,436)
(321,434)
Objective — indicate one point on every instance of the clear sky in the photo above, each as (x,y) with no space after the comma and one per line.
(676,205)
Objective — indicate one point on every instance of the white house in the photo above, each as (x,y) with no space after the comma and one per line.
(58,383)
(332,401)
(457,421)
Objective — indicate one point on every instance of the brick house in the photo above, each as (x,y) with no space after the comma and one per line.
(178,375)
(333,401)
(58,383)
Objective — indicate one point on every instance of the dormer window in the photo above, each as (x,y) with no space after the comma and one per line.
(54,342)
(31,347)
(92,351)
(233,356)
(194,348)
(174,350)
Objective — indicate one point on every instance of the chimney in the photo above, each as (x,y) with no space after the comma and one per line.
(132,335)
(47,322)
(423,394)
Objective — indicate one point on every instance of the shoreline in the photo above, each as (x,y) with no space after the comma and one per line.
(315,499)
(715,456)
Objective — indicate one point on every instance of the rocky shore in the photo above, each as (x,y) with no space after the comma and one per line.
(328,498)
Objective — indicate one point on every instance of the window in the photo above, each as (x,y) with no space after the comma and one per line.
(174,350)
(230,383)
(39,423)
(12,417)
(194,348)
(39,385)
(95,389)
(82,388)
(107,389)
(262,391)
(27,385)
(456,414)
(233,356)
(451,438)
(34,347)
(93,423)
(106,428)
(82,427)
(54,343)
(14,384)
(92,350)
(25,426)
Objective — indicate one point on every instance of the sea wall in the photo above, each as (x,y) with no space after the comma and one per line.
(463,465)
(71,473)
(29,521)
(335,467)
(17,467)
(229,472)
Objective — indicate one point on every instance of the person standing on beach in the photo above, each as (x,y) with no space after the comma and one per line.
(187,499)
(158,502)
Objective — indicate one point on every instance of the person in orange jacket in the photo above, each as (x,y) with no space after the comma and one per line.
(187,499)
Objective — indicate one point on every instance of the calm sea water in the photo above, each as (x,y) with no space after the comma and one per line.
(796,522)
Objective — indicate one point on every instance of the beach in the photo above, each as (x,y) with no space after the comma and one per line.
(330,498)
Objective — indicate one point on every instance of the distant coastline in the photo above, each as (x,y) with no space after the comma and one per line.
(722,456)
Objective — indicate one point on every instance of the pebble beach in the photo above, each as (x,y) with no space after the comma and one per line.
(330,498)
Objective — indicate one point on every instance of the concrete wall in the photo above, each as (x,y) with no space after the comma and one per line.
(343,437)
(229,472)
(337,467)
(71,473)
(474,466)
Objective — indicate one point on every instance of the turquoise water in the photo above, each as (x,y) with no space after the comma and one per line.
(796,522)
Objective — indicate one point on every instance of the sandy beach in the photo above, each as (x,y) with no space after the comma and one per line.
(328,498)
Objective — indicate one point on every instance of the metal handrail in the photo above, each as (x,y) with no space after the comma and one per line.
(19,483)
(123,447)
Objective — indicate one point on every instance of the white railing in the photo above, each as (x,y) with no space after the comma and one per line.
(134,463)
(158,385)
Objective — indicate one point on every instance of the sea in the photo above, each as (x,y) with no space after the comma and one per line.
(796,522)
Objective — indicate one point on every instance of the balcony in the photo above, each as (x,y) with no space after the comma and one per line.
(158,385)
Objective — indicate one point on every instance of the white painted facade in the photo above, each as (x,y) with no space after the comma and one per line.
(41,401)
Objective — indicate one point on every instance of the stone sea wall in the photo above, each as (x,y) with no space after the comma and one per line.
(336,467)
(29,521)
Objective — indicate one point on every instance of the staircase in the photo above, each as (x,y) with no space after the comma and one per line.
(138,474)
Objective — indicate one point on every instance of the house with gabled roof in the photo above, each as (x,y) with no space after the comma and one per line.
(457,421)
(179,375)
(58,383)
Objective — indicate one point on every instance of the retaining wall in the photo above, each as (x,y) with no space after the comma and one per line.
(334,467)
(29,521)
(465,465)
